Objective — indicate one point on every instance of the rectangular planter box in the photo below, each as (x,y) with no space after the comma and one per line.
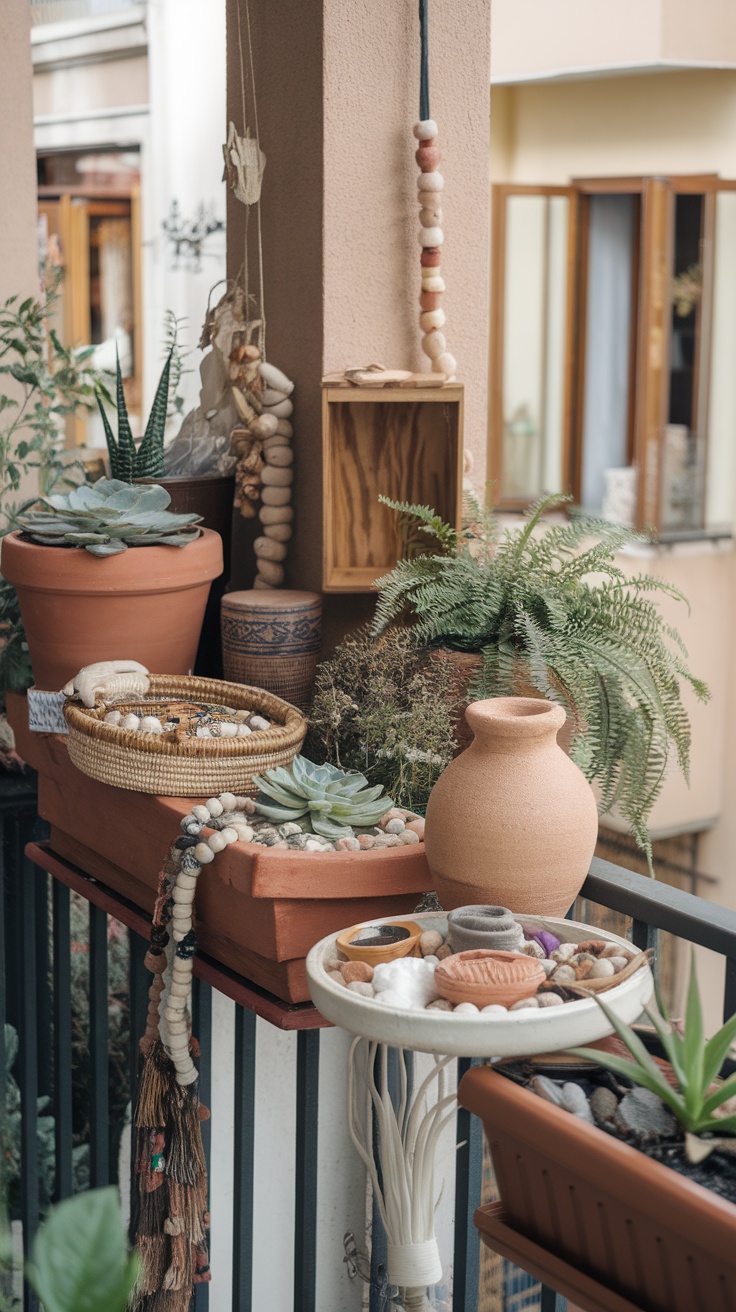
(634,1226)
(258,911)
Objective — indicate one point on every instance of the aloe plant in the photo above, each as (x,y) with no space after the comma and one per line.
(327,800)
(694,1061)
(127,463)
(107,517)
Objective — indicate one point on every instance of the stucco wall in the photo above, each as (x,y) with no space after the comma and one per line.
(18,246)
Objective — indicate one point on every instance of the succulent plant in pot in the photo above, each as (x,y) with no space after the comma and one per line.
(322,798)
(146,461)
(108,517)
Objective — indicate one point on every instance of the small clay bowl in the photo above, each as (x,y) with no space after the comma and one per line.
(486,976)
(374,955)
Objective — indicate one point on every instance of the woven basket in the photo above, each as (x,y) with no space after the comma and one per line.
(198,767)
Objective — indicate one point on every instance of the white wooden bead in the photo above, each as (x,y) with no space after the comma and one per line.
(229,834)
(244,833)
(271,573)
(273,377)
(228,801)
(434,345)
(201,813)
(178,935)
(283,409)
(183,896)
(277,476)
(216,842)
(269,550)
(429,217)
(180,911)
(185,880)
(431,237)
(228,730)
(150,724)
(244,730)
(113,717)
(178,991)
(279,532)
(177,1026)
(263,426)
(279,456)
(130,722)
(215,807)
(186,1077)
(434,284)
(425,129)
(204,853)
(428,199)
(430,182)
(430,319)
(284,428)
(273,396)
(446,364)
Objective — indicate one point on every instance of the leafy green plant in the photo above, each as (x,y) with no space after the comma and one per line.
(80,1259)
(109,517)
(328,799)
(550,610)
(127,463)
(384,706)
(173,349)
(694,1061)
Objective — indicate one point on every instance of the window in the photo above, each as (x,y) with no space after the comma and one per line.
(604,328)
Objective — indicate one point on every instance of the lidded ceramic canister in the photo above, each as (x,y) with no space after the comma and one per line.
(272,638)
(512,821)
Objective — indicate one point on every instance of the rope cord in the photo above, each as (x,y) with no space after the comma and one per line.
(424,74)
(261,296)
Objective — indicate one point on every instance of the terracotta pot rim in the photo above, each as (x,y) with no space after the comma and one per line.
(167,569)
(515,717)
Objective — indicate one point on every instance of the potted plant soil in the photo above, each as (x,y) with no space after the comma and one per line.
(635,1193)
(85,597)
(546,611)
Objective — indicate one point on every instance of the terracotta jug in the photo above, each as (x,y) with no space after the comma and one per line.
(512,821)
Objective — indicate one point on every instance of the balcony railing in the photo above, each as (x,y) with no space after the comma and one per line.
(62,11)
(285,1183)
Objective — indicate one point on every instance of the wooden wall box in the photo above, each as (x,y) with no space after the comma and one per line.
(403,442)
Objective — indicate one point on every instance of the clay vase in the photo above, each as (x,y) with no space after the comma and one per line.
(512,821)
(146,604)
(271,637)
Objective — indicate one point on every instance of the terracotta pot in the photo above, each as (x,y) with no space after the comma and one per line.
(512,821)
(610,1227)
(272,638)
(374,956)
(145,604)
(487,977)
(466,666)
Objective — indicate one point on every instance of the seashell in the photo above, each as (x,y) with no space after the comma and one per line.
(616,950)
(433,284)
(564,974)
(434,344)
(593,945)
(430,182)
(425,129)
(280,456)
(430,237)
(395,826)
(487,976)
(103,679)
(267,549)
(430,300)
(264,426)
(428,157)
(532,949)
(582,969)
(130,722)
(149,724)
(276,496)
(283,409)
(564,952)
(273,476)
(430,257)
(430,217)
(279,532)
(447,364)
(284,428)
(430,319)
(271,573)
(276,514)
(273,377)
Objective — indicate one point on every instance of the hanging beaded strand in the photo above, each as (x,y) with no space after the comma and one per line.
(431,236)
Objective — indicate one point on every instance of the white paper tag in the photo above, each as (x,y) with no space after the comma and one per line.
(46,712)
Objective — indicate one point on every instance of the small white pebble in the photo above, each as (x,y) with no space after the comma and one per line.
(564,974)
(465,1009)
(601,969)
(618,963)
(130,722)
(215,807)
(494,1009)
(204,853)
(336,977)
(523,1003)
(549,1000)
(432,960)
(228,730)
(149,724)
(257,722)
(113,717)
(361,986)
(395,826)
(203,731)
(216,842)
(548,966)
(312,845)
(392,840)
(243,731)
(332,964)
(409,837)
(229,801)
(229,834)
(289,829)
(201,813)
(564,952)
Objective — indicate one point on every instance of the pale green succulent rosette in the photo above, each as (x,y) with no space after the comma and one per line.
(107,517)
(331,801)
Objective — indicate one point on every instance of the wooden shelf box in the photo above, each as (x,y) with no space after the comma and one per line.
(405,443)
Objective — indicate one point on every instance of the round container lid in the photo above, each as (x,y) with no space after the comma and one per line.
(270,599)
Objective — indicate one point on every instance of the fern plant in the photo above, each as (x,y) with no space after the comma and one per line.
(549,609)
(127,463)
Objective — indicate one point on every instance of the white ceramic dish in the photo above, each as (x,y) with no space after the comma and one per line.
(518,1033)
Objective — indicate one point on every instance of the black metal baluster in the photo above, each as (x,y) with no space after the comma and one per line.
(202,1031)
(244,1136)
(62,1046)
(468,1180)
(27,1057)
(551,1301)
(643,935)
(3,967)
(305,1213)
(99,1166)
(139,982)
(729,992)
(43,971)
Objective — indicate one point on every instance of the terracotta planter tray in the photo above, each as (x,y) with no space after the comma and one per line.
(258,911)
(518,1033)
(634,1226)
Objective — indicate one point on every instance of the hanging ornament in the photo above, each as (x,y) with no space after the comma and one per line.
(430,185)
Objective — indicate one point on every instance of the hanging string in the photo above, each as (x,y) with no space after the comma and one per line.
(424,74)
(261,296)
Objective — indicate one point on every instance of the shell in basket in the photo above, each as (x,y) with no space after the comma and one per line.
(176,765)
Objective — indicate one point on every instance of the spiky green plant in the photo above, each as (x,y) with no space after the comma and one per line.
(108,517)
(127,463)
(549,608)
(330,800)
(695,1061)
